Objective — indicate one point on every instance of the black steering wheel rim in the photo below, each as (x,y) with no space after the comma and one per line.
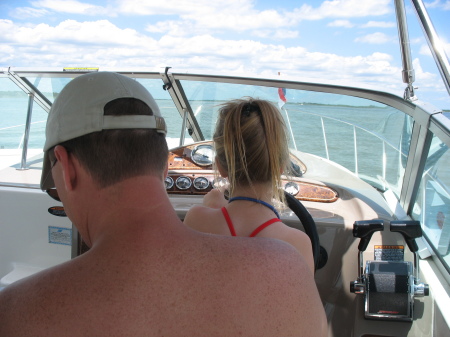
(308,224)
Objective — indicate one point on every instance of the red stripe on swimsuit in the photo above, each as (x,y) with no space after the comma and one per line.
(255,232)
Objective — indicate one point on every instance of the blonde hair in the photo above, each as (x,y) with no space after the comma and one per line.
(251,144)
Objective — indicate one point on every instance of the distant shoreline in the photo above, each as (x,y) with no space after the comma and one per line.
(21,94)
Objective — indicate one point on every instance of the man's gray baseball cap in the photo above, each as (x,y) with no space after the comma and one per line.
(79,110)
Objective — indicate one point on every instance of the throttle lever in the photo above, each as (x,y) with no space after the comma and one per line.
(364,229)
(410,230)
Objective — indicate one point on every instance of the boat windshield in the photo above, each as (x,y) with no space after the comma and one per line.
(364,136)
(369,138)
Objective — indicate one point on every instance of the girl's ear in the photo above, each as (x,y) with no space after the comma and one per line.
(222,171)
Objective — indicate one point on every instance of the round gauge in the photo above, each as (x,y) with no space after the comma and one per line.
(292,188)
(169,183)
(201,183)
(220,182)
(203,154)
(183,182)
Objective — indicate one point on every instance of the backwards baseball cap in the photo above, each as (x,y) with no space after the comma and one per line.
(79,110)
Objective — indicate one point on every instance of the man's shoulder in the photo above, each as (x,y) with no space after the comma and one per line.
(269,273)
(26,298)
(265,256)
(276,256)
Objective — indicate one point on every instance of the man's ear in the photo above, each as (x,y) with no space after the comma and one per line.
(69,167)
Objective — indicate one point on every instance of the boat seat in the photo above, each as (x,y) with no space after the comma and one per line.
(20,271)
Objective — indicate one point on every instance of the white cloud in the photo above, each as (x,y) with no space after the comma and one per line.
(204,16)
(425,49)
(279,34)
(447,48)
(233,16)
(71,32)
(379,24)
(421,75)
(6,53)
(241,15)
(74,7)
(223,20)
(28,12)
(416,40)
(190,28)
(428,82)
(438,4)
(433,4)
(176,7)
(344,9)
(375,38)
(174,28)
(242,21)
(341,23)
(100,43)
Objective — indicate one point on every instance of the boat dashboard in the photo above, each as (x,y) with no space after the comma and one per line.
(191,172)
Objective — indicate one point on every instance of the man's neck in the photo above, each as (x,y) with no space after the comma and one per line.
(135,201)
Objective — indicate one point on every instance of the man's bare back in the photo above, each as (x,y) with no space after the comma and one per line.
(138,282)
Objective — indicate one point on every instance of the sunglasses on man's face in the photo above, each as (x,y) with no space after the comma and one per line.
(53,193)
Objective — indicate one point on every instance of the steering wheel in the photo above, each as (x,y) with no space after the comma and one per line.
(308,224)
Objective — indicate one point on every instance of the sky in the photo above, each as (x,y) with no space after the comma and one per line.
(346,42)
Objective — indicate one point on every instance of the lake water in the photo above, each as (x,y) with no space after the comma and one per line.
(315,127)
(360,138)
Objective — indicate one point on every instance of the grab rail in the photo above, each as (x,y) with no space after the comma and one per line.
(355,142)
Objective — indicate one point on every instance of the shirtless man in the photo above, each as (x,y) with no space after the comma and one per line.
(146,274)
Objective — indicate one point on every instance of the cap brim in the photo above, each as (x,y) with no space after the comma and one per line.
(46,177)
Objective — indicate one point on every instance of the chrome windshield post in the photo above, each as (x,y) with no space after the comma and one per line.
(26,134)
(436,46)
(173,86)
(183,127)
(408,71)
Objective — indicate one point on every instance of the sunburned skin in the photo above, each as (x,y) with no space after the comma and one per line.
(148,274)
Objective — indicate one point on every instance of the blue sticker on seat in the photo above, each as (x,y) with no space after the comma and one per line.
(60,235)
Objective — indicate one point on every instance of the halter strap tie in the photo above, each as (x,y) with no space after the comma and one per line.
(257,201)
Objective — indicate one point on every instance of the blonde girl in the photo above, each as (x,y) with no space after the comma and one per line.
(251,152)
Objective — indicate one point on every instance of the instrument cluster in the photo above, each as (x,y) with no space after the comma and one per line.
(191,173)
(191,183)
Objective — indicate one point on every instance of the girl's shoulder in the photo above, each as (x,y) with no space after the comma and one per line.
(199,217)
